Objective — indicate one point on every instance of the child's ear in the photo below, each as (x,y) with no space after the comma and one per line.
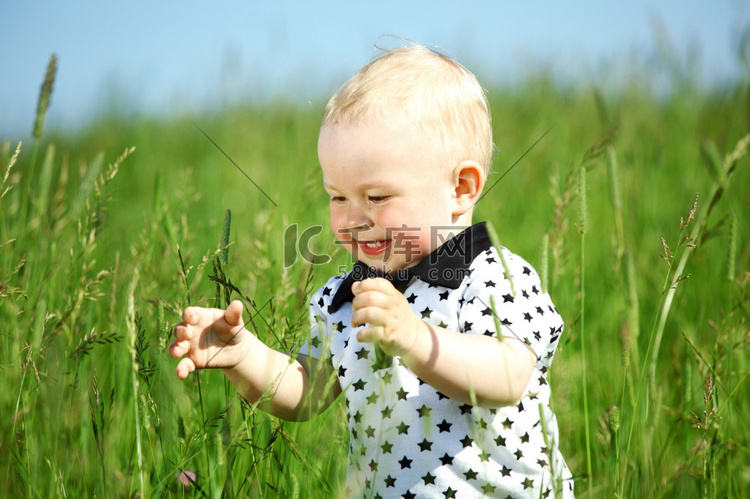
(468,181)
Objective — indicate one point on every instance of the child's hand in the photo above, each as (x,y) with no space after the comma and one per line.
(391,323)
(209,337)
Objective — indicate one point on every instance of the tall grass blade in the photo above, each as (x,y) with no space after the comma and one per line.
(224,244)
(732,246)
(132,335)
(583,229)
(45,182)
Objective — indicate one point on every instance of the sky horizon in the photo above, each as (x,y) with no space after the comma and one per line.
(170,58)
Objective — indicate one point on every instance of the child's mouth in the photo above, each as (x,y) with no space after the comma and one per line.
(374,248)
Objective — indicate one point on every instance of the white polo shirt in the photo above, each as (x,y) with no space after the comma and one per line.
(409,440)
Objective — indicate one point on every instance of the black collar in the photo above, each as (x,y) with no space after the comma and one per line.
(447,266)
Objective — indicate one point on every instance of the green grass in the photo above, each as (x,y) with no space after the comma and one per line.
(105,235)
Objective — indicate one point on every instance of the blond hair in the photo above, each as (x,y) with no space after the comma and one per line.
(429,89)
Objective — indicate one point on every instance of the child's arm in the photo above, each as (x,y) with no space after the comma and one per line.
(215,338)
(458,365)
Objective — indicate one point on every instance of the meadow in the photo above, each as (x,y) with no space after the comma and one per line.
(634,205)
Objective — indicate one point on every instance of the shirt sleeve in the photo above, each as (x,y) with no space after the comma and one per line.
(521,308)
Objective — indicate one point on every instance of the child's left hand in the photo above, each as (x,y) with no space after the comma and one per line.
(391,323)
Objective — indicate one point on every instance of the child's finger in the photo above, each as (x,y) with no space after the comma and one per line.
(233,314)
(183,332)
(192,315)
(185,367)
(371,334)
(373,284)
(179,348)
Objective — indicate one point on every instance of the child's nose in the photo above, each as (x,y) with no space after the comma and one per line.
(358,216)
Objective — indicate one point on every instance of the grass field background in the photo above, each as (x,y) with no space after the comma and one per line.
(107,233)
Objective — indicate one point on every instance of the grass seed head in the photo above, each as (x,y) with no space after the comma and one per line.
(45,95)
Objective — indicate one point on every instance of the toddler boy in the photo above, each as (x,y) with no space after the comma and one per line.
(439,402)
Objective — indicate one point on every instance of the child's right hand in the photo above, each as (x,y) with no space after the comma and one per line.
(209,338)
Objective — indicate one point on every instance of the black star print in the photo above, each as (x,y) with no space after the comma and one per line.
(539,311)
(500,441)
(491,260)
(426,313)
(527,483)
(321,302)
(357,417)
(482,424)
(425,445)
(326,291)
(507,423)
(542,381)
(471,474)
(488,489)
(359,385)
(339,326)
(342,371)
(524,293)
(387,446)
(527,316)
(402,428)
(466,441)
(526,270)
(445,426)
(409,495)
(444,295)
(373,465)
(449,492)
(401,393)
(486,311)
(518,454)
(390,481)
(525,437)
(370,431)
(315,342)
(465,409)
(429,479)
(534,290)
(467,325)
(362,353)
(411,298)
(489,284)
(372,398)
(520,406)
(508,298)
(446,459)
(487,332)
(541,462)
(424,411)
(405,462)
(505,471)
(537,335)
(386,413)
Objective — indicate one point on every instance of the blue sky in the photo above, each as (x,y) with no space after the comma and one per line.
(171,57)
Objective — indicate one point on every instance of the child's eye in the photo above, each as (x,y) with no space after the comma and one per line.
(338,199)
(378,199)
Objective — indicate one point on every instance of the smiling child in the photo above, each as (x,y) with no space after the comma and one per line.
(440,403)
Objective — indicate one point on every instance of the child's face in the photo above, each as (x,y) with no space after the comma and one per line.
(392,194)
